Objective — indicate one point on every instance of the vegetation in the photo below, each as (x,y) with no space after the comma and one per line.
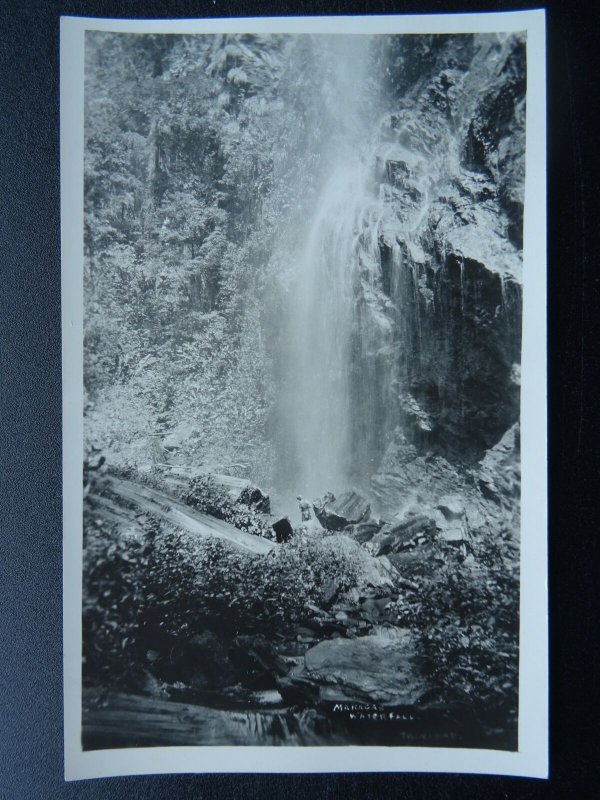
(150,593)
(466,618)
(206,496)
(196,149)
(201,161)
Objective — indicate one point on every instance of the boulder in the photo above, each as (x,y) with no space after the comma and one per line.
(407,478)
(452,507)
(324,626)
(499,476)
(256,498)
(348,509)
(330,592)
(455,536)
(419,562)
(381,544)
(368,669)
(405,531)
(283,530)
(395,537)
(451,521)
(364,531)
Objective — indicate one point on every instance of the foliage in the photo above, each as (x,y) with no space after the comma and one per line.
(201,153)
(150,593)
(114,599)
(206,496)
(467,619)
(177,164)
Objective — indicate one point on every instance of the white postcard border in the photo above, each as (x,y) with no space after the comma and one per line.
(532,756)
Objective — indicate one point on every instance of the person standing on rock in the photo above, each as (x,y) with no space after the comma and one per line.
(304,506)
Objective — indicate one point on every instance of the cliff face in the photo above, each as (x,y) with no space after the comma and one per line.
(445,310)
(300,246)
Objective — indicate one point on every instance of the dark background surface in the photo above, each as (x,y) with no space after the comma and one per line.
(31,754)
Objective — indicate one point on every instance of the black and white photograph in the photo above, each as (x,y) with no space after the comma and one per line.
(302,327)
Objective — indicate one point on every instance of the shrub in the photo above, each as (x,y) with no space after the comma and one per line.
(114,599)
(151,593)
(466,618)
(245,513)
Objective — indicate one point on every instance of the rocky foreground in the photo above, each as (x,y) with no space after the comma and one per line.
(396,639)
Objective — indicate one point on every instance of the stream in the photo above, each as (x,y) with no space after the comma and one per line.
(119,719)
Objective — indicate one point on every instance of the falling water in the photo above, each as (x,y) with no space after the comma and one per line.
(319,334)
(342,338)
(317,337)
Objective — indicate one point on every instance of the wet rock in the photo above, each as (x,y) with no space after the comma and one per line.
(406,478)
(367,669)
(496,133)
(407,530)
(348,509)
(327,498)
(499,476)
(395,537)
(364,531)
(458,282)
(381,544)
(452,507)
(415,414)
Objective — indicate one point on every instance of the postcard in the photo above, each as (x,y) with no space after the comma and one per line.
(304,370)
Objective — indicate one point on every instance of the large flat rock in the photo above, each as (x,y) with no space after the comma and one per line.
(177,513)
(369,669)
(348,509)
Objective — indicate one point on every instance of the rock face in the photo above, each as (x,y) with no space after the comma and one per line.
(442,318)
(499,477)
(370,669)
(406,477)
(348,509)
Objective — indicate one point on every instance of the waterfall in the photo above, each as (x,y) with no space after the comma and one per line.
(319,331)
(350,320)
(323,272)
(339,343)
